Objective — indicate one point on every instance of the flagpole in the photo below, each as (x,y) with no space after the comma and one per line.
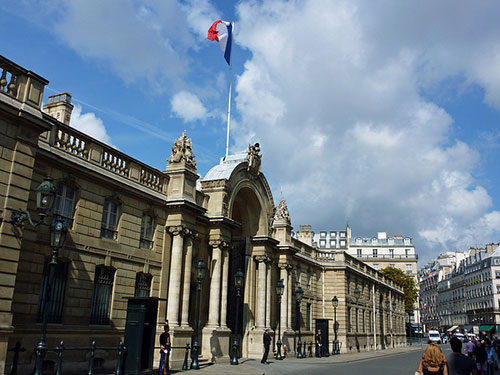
(230,85)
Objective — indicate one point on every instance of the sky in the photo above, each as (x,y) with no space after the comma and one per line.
(381,114)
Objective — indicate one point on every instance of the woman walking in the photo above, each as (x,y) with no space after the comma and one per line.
(433,362)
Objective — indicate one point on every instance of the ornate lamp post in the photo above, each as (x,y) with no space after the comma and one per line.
(280,287)
(45,196)
(57,237)
(195,347)
(335,303)
(299,294)
(238,282)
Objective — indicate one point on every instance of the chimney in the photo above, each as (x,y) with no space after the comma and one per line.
(60,107)
(305,234)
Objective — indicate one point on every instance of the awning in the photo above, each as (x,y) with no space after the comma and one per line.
(486,328)
(451,328)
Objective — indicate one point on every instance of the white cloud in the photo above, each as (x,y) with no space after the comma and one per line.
(89,124)
(188,107)
(333,92)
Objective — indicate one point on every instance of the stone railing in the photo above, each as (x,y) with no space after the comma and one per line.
(21,84)
(325,256)
(82,146)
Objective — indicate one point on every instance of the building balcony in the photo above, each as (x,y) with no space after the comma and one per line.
(388,257)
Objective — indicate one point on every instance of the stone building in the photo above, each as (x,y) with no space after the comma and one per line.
(137,231)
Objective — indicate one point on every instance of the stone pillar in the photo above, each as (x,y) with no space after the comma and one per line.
(284,298)
(289,299)
(187,280)
(215,284)
(261,292)
(268,293)
(225,275)
(174,286)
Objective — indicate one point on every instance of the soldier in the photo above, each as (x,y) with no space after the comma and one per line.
(164,351)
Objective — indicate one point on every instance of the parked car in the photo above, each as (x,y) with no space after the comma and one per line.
(434,337)
(460,336)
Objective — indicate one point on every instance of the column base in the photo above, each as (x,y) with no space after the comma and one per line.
(215,345)
(254,344)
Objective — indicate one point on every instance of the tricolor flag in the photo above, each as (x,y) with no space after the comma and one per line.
(222,32)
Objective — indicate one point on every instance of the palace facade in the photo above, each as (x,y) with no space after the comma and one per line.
(137,231)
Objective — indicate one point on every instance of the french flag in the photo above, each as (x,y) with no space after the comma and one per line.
(222,32)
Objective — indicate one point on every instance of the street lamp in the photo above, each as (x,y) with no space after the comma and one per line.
(335,303)
(280,287)
(45,196)
(195,347)
(299,293)
(238,282)
(58,232)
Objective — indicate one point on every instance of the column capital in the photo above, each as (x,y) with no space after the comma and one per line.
(221,244)
(179,230)
(285,266)
(261,258)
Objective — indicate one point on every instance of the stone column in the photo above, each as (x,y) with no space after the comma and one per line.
(289,299)
(215,284)
(268,293)
(225,275)
(174,286)
(284,298)
(261,292)
(187,280)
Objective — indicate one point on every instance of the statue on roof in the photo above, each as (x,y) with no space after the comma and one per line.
(254,158)
(182,150)
(281,213)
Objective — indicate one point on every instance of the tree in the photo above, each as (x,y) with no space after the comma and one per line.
(407,282)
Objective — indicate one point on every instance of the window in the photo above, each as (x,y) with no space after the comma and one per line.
(147,231)
(391,253)
(322,234)
(407,253)
(342,243)
(308,317)
(333,234)
(333,243)
(143,285)
(342,234)
(109,219)
(375,266)
(101,299)
(498,288)
(55,306)
(349,328)
(308,275)
(357,320)
(392,265)
(375,253)
(359,252)
(64,203)
(409,268)
(322,244)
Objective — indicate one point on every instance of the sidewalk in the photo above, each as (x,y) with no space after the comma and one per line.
(254,367)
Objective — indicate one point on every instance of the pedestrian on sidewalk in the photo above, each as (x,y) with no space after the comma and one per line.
(318,343)
(481,358)
(267,343)
(470,348)
(433,362)
(459,364)
(492,359)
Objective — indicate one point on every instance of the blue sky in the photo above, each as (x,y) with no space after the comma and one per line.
(378,113)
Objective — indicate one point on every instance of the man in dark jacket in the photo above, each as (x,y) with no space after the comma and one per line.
(164,351)
(459,364)
(267,343)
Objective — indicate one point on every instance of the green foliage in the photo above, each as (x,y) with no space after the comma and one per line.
(407,282)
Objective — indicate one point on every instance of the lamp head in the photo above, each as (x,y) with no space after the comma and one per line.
(45,196)
(238,279)
(357,293)
(299,293)
(200,270)
(280,287)
(335,301)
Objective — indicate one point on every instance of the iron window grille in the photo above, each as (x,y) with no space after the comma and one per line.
(55,306)
(143,284)
(109,220)
(101,298)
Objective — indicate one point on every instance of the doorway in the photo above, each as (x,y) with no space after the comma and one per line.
(322,324)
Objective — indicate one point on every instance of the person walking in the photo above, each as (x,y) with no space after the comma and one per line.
(165,347)
(319,343)
(470,347)
(492,358)
(458,363)
(267,344)
(433,362)
(481,358)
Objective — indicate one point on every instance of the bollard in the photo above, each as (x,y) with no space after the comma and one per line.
(310,349)
(185,364)
(59,350)
(17,349)
(119,362)
(304,351)
(91,360)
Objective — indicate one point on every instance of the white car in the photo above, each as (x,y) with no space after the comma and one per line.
(434,337)
(460,336)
